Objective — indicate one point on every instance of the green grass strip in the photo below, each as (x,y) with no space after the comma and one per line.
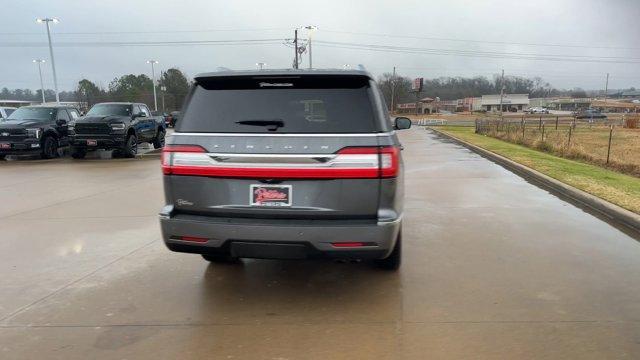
(620,189)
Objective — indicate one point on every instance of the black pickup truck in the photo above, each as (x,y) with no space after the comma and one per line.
(36,130)
(116,126)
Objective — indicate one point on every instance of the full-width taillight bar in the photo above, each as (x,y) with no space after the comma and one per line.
(348,163)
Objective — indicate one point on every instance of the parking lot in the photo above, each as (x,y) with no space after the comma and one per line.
(494,267)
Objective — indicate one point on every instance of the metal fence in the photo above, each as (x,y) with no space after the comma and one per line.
(613,143)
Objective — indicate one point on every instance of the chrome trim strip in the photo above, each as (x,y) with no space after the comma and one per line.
(390,133)
(304,156)
(299,161)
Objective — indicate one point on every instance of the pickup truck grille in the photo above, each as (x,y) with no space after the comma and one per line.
(92,129)
(12,134)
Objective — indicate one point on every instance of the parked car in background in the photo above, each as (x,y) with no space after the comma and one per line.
(5,112)
(36,130)
(175,116)
(311,169)
(165,116)
(537,110)
(116,126)
(590,114)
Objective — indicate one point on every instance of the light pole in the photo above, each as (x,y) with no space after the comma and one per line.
(153,79)
(311,29)
(53,62)
(261,65)
(163,89)
(40,61)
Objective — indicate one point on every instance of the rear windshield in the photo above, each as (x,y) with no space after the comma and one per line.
(280,105)
(33,113)
(110,109)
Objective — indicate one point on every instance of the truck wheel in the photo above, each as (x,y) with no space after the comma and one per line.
(130,147)
(392,262)
(78,153)
(49,148)
(2,157)
(220,258)
(158,141)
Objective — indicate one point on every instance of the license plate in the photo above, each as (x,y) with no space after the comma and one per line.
(92,142)
(270,195)
(5,146)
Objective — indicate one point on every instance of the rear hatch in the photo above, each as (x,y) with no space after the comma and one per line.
(299,147)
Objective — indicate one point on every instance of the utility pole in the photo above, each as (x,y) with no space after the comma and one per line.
(606,89)
(260,65)
(501,93)
(153,80)
(53,61)
(393,90)
(295,48)
(163,89)
(311,29)
(40,61)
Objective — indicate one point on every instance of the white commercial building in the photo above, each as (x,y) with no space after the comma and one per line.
(510,102)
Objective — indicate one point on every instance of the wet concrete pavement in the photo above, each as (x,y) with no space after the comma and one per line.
(493,268)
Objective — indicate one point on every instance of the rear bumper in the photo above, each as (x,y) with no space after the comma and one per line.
(278,238)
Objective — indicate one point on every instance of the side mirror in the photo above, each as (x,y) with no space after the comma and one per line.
(61,122)
(402,123)
(137,115)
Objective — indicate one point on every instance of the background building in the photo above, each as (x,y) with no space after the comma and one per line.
(510,102)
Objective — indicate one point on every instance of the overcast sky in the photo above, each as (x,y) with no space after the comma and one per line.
(508,34)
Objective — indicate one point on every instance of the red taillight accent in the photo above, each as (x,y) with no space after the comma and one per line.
(359,150)
(274,173)
(193,239)
(348,244)
(389,161)
(166,167)
(184,148)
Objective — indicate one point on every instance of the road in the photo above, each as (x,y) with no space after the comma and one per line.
(494,267)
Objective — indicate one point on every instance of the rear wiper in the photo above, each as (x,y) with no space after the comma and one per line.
(272,125)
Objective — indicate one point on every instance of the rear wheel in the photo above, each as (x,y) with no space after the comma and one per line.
(49,148)
(2,157)
(78,153)
(130,147)
(158,141)
(392,262)
(220,258)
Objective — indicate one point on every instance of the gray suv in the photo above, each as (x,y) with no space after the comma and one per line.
(284,164)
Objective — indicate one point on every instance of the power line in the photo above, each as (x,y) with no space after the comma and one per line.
(481,41)
(144,43)
(545,74)
(476,53)
(393,47)
(144,32)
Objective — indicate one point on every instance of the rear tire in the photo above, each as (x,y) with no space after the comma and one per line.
(130,147)
(49,147)
(2,157)
(220,259)
(77,153)
(158,141)
(393,261)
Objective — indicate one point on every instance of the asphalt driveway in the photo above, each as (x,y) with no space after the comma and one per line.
(494,267)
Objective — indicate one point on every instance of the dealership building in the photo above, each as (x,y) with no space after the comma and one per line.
(510,102)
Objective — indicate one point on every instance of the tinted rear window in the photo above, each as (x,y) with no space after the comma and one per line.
(296,104)
(110,109)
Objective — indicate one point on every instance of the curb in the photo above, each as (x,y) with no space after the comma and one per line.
(610,211)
